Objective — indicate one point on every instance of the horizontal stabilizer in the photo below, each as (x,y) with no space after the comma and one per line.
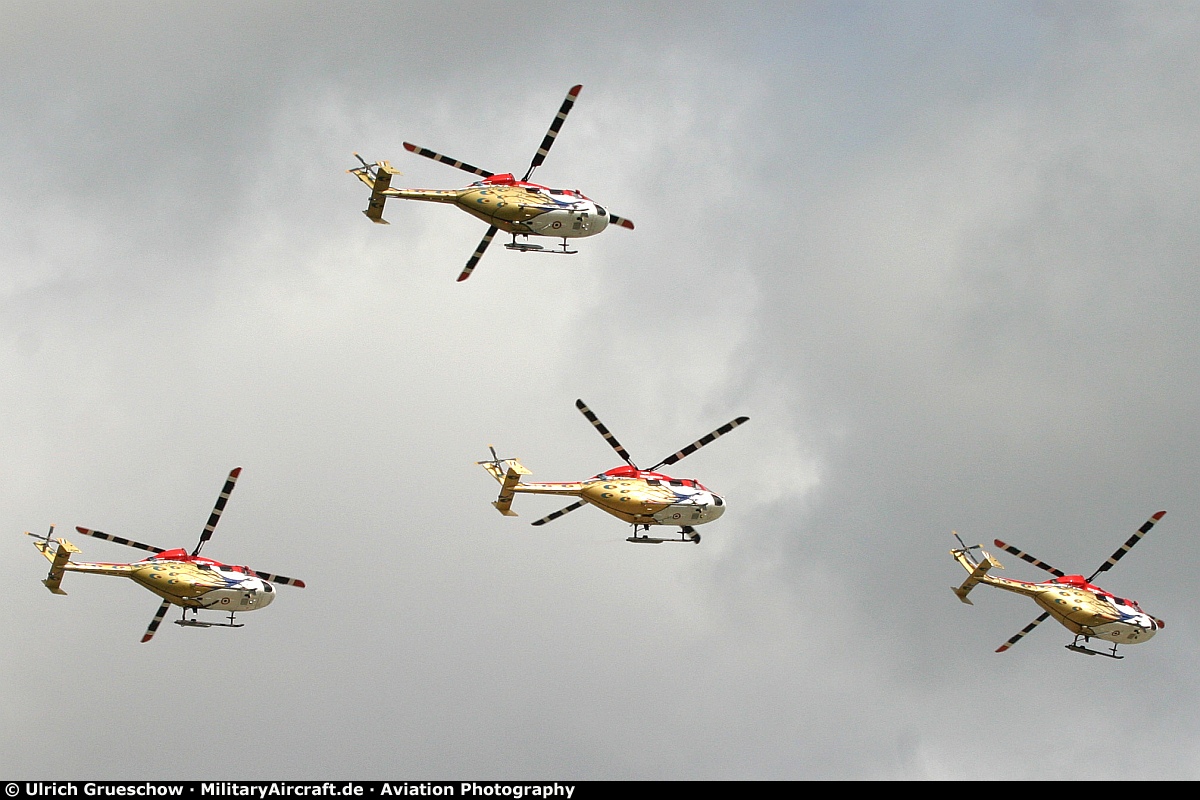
(500,468)
(378,177)
(978,571)
(58,558)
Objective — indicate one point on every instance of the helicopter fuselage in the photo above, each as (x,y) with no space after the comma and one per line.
(190,581)
(520,207)
(641,497)
(1086,609)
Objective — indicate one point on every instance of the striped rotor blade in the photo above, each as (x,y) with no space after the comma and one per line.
(154,623)
(478,254)
(218,509)
(1125,548)
(605,432)
(441,159)
(696,445)
(1022,632)
(281,579)
(559,513)
(119,540)
(552,134)
(624,223)
(1021,554)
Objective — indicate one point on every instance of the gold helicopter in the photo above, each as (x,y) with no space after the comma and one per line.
(641,497)
(1074,601)
(184,579)
(506,204)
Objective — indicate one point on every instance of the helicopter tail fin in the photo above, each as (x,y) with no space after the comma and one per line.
(378,178)
(508,472)
(58,558)
(978,569)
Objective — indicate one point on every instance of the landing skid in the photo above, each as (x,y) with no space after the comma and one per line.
(530,247)
(198,623)
(1076,647)
(686,534)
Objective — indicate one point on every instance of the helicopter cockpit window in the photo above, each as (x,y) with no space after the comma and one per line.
(600,210)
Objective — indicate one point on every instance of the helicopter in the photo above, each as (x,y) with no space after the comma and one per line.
(506,204)
(186,580)
(641,497)
(1081,607)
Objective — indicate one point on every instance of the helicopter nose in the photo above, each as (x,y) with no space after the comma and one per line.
(717,507)
(265,596)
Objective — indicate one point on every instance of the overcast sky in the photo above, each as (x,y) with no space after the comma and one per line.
(943,255)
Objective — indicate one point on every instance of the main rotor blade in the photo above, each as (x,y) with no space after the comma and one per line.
(215,516)
(608,437)
(552,134)
(1125,548)
(559,513)
(154,623)
(286,581)
(696,445)
(441,159)
(474,259)
(1022,632)
(119,540)
(622,221)
(1021,554)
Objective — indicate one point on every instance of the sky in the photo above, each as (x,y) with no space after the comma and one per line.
(942,255)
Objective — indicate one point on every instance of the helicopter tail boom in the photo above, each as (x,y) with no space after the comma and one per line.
(977,569)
